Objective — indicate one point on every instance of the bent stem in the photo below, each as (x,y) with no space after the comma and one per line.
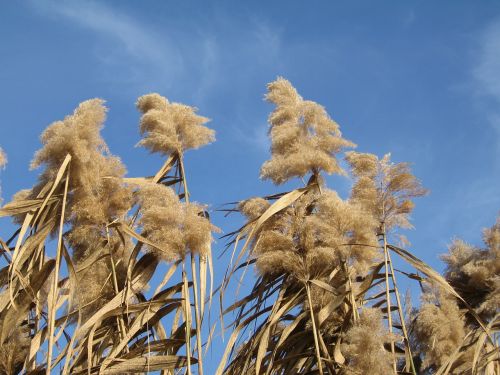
(187,315)
(197,315)
(315,333)
(199,349)
(53,298)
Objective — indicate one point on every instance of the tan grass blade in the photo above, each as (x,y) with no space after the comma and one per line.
(53,292)
(147,364)
(12,317)
(436,277)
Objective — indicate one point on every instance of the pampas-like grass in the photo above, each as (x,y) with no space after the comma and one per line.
(74,275)
(97,196)
(254,207)
(474,272)
(177,228)
(170,128)
(96,190)
(364,345)
(439,328)
(315,235)
(384,188)
(14,352)
(444,333)
(324,266)
(83,198)
(304,138)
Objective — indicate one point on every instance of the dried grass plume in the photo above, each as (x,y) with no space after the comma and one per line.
(364,348)
(304,138)
(170,128)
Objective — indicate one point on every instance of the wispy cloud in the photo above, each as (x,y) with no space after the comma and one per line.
(125,42)
(189,60)
(486,73)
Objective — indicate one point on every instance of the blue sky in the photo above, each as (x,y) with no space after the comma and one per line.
(418,79)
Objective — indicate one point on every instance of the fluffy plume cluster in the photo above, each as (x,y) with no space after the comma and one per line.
(97,192)
(439,328)
(171,128)
(475,273)
(97,195)
(94,284)
(14,352)
(304,138)
(175,227)
(316,234)
(364,348)
(442,328)
(384,188)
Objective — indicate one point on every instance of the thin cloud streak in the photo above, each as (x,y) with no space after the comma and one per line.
(486,74)
(129,44)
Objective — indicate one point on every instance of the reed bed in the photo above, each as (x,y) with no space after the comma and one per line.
(78,294)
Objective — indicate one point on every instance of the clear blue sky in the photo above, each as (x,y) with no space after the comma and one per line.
(418,79)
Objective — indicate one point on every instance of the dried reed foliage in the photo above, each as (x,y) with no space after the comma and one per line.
(475,272)
(439,328)
(176,227)
(318,305)
(170,128)
(384,188)
(14,351)
(364,345)
(105,322)
(304,138)
(326,299)
(97,196)
(319,232)
(445,335)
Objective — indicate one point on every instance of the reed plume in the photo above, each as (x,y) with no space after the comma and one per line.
(304,138)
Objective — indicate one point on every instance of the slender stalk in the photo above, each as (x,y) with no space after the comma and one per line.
(401,316)
(315,333)
(194,276)
(187,316)
(121,323)
(197,316)
(352,298)
(388,295)
(53,300)
(184,180)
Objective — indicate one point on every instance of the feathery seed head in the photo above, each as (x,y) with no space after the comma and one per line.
(94,173)
(304,138)
(170,128)
(316,234)
(364,348)
(254,207)
(384,188)
(439,328)
(175,227)
(475,272)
